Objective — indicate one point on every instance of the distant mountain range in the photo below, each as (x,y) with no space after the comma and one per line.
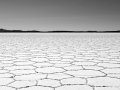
(57,31)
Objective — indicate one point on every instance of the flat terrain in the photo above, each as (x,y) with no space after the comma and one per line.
(60,62)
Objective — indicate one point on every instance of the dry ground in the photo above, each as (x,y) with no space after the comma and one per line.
(60,62)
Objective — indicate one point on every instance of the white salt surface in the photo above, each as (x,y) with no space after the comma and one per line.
(64,61)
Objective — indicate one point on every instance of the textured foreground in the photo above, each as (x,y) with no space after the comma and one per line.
(60,62)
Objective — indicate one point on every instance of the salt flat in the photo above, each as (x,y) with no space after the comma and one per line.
(60,61)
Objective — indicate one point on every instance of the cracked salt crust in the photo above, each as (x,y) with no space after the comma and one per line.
(88,62)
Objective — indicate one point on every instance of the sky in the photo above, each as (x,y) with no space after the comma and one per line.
(45,15)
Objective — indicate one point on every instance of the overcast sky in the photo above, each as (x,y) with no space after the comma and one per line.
(60,14)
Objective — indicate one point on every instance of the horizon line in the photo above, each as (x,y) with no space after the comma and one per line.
(56,30)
